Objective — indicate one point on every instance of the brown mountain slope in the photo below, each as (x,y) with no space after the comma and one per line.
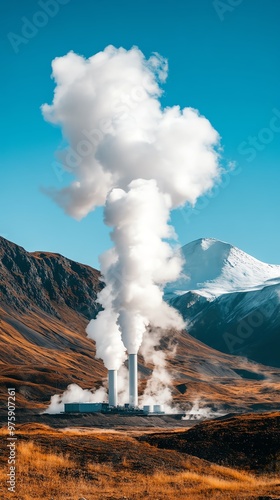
(47,281)
(46,302)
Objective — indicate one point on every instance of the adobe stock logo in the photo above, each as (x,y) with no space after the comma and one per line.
(222,7)
(188,211)
(248,326)
(265,136)
(31,27)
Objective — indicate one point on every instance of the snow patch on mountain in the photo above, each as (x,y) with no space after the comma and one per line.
(213,268)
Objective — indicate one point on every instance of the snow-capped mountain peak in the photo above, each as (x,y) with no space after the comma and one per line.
(213,267)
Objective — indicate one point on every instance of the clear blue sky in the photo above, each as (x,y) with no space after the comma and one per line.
(226,64)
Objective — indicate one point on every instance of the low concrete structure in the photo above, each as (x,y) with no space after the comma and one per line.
(85,407)
(77,407)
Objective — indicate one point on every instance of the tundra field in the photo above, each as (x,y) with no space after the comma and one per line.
(64,464)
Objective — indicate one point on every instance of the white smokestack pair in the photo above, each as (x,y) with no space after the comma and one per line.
(133,383)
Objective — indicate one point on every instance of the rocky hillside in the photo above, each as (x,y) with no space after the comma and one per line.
(46,281)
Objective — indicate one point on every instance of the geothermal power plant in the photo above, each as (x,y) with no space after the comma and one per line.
(138,183)
(130,408)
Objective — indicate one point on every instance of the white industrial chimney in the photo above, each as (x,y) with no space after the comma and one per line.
(133,380)
(113,388)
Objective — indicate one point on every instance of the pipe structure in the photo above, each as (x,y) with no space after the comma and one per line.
(113,388)
(133,380)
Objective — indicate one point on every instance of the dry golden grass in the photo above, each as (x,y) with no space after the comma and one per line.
(33,457)
(52,475)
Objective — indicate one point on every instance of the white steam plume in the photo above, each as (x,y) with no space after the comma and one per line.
(140,161)
(201,411)
(74,393)
(159,385)
(106,333)
(143,263)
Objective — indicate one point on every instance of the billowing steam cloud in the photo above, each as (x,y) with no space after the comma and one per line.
(139,161)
